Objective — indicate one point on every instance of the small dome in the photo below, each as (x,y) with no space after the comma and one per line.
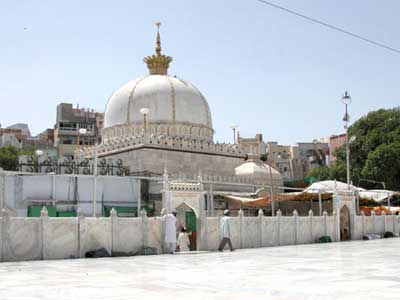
(259,172)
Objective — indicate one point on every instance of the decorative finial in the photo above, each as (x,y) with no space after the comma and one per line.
(158,41)
(158,63)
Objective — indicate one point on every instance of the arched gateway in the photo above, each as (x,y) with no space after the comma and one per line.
(187,199)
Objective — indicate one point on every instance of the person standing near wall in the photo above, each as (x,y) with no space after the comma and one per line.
(225,232)
(170,232)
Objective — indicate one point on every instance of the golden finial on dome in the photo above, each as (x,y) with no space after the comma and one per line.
(158,42)
(158,63)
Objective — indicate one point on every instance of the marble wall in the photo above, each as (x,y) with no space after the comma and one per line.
(59,238)
(261,231)
(374,224)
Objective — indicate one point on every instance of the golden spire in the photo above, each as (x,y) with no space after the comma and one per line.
(158,42)
(158,63)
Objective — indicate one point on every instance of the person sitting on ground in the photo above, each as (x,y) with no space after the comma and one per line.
(183,241)
(224,232)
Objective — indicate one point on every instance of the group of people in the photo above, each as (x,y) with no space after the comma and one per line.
(172,243)
(182,243)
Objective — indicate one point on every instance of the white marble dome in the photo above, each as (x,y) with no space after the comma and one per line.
(170,101)
(176,107)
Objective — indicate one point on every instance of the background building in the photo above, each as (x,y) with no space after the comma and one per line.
(314,154)
(335,142)
(285,159)
(68,122)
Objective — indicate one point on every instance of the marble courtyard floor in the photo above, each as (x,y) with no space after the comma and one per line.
(349,270)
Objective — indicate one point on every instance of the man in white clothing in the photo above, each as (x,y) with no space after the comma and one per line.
(183,241)
(225,232)
(170,232)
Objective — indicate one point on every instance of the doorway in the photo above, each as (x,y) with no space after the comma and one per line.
(186,217)
(344,223)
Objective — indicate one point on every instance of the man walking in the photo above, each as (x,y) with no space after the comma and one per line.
(170,232)
(224,232)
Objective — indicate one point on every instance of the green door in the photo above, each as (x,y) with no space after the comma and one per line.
(190,218)
(190,221)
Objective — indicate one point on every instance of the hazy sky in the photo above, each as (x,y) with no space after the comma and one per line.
(266,70)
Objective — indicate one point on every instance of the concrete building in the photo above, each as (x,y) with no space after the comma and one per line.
(19,136)
(68,122)
(335,142)
(21,127)
(254,145)
(312,155)
(286,160)
(283,158)
(10,139)
(44,140)
(12,136)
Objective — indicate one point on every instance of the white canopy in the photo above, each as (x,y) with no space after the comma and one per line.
(377,195)
(330,186)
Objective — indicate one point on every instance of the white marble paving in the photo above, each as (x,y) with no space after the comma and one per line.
(349,270)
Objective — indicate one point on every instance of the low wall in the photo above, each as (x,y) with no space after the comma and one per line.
(59,238)
(262,231)
(374,224)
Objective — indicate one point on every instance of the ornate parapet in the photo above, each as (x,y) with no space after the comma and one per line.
(186,130)
(178,142)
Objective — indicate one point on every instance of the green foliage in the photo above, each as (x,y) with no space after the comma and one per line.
(321,173)
(8,158)
(336,171)
(375,152)
(384,164)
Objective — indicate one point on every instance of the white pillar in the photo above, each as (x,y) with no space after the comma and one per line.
(320,202)
(145,228)
(2,188)
(53,187)
(114,229)
(212,200)
(325,214)
(240,215)
(278,220)
(94,192)
(295,225)
(139,196)
(95,179)
(5,221)
(44,218)
(311,215)
(81,232)
(260,218)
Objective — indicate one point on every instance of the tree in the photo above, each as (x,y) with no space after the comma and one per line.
(8,158)
(336,171)
(384,164)
(376,134)
(374,154)
(321,173)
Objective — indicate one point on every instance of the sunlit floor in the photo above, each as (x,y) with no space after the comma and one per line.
(348,270)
